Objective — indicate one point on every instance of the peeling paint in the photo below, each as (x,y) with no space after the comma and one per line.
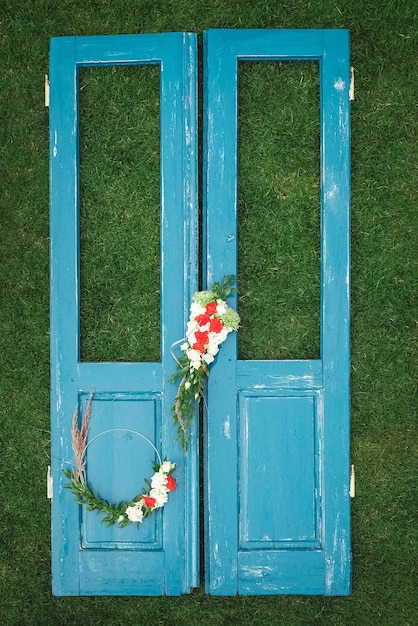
(227,428)
(257,571)
(332,192)
(339,84)
(55,149)
(216,556)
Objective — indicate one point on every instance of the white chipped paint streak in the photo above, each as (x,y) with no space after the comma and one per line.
(332,191)
(216,556)
(339,547)
(218,581)
(289,379)
(227,427)
(257,571)
(339,84)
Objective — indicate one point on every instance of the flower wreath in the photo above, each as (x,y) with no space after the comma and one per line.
(122,513)
(211,320)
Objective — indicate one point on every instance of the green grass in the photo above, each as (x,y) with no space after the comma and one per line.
(384,40)
(278,204)
(120,214)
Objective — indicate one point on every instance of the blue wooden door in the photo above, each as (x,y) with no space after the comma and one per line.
(277,432)
(130,423)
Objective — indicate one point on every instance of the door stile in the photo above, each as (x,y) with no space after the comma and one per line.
(335,304)
(64,184)
(219,259)
(179,232)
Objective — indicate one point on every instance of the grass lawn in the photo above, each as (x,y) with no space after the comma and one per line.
(120,279)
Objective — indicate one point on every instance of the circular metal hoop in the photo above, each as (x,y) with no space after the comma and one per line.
(127,430)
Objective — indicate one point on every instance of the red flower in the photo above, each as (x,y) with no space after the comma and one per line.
(216,325)
(149,502)
(171,483)
(201,340)
(211,307)
(201,337)
(202,319)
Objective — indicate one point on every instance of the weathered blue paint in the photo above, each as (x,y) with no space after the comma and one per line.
(277,432)
(161,557)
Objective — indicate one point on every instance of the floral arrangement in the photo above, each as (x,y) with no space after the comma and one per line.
(211,320)
(122,513)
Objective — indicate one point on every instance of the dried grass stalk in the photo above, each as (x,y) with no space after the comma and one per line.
(79,440)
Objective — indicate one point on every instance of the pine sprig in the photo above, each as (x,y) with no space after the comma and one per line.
(113,513)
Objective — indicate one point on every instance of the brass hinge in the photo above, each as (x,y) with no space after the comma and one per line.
(351,83)
(49,483)
(46,90)
(352,482)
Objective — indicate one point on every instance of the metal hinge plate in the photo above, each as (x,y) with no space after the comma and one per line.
(352,482)
(46,90)
(49,483)
(351,83)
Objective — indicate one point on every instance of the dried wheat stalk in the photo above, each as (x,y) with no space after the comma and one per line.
(79,440)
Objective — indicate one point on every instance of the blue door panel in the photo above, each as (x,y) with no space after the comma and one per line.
(277,432)
(119,451)
(278,483)
(130,420)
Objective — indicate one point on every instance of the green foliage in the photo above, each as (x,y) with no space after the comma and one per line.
(113,513)
(221,290)
(188,397)
(384,40)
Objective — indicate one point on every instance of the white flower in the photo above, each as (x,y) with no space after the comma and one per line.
(158,480)
(187,385)
(195,358)
(191,337)
(222,307)
(184,346)
(196,309)
(223,334)
(160,496)
(167,467)
(208,358)
(135,513)
(213,347)
(192,324)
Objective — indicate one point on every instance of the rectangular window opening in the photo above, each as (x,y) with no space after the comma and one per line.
(279,210)
(120,213)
